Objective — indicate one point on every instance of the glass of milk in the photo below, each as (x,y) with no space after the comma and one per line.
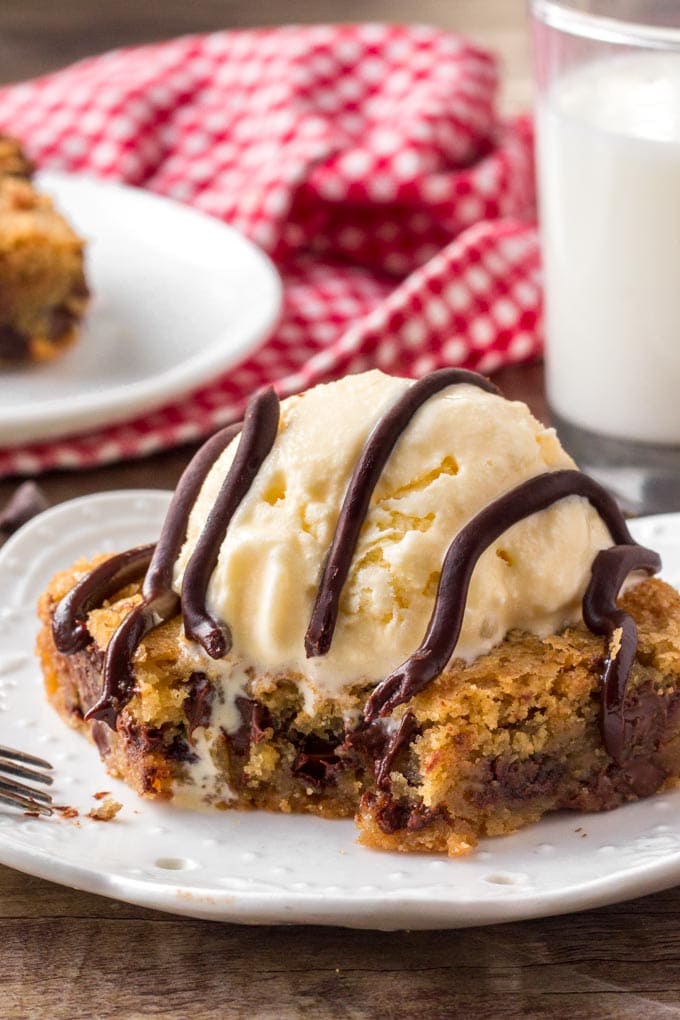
(608,157)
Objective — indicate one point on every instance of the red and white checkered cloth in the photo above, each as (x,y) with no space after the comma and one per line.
(367,160)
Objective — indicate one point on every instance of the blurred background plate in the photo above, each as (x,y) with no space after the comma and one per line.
(178,298)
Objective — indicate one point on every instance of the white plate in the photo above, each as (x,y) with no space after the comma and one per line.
(263,868)
(178,297)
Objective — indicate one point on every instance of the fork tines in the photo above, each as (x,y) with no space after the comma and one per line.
(19,765)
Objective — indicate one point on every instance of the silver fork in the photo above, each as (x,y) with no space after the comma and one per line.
(16,765)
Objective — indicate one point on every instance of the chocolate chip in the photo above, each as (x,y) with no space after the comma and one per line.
(394,815)
(60,320)
(317,762)
(199,701)
(390,814)
(506,778)
(365,744)
(256,719)
(80,288)
(14,346)
(27,502)
(145,740)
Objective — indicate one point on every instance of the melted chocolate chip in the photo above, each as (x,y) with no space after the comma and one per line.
(649,717)
(365,744)
(144,740)
(199,701)
(256,719)
(508,778)
(318,762)
(391,815)
(14,346)
(422,817)
(398,815)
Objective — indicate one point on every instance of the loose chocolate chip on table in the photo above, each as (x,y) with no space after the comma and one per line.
(28,501)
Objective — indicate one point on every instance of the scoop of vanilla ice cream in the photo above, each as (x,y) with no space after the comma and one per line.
(463,448)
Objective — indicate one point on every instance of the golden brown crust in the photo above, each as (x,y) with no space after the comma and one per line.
(498,743)
(13,160)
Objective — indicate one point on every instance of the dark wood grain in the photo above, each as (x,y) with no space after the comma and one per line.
(68,955)
(111,960)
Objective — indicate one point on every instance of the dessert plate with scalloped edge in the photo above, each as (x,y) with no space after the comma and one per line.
(178,297)
(258,868)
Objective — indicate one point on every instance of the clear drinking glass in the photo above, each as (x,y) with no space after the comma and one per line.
(608,159)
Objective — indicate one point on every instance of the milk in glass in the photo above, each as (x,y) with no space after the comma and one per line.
(609,181)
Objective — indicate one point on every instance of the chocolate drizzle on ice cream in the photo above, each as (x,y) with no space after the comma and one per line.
(257,438)
(259,431)
(610,569)
(365,476)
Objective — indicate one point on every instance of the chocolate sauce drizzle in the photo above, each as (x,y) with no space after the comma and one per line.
(610,569)
(259,430)
(159,601)
(402,737)
(365,477)
(443,630)
(260,426)
(69,625)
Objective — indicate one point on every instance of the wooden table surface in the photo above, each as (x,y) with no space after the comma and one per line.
(68,955)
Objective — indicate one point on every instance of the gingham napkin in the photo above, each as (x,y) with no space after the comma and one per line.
(367,160)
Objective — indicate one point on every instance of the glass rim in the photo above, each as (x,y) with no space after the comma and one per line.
(556,14)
